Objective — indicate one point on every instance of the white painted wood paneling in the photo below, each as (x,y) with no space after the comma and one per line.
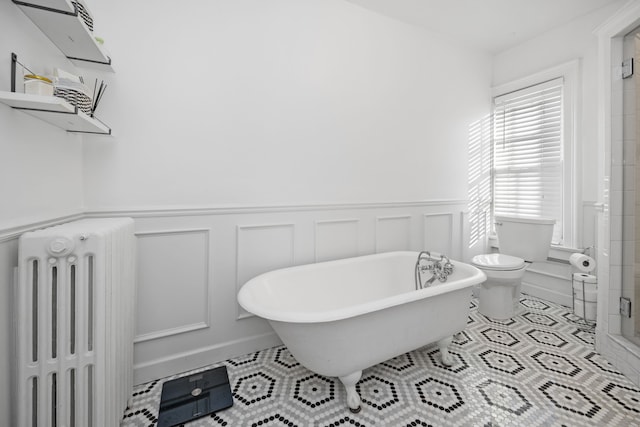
(336,239)
(243,241)
(438,232)
(393,233)
(193,261)
(173,282)
(262,248)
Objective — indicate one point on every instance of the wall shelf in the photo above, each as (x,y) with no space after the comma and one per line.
(55,111)
(60,21)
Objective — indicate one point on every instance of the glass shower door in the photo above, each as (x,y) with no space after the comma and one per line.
(630,259)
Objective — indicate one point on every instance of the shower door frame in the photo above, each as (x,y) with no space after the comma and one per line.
(630,249)
(619,351)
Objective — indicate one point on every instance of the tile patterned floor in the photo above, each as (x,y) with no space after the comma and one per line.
(537,369)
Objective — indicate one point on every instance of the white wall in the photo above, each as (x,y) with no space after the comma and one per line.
(254,102)
(41,165)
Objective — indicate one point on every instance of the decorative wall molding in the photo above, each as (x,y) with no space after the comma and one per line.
(336,238)
(438,232)
(170,332)
(172,231)
(176,279)
(164,211)
(463,238)
(271,247)
(396,236)
(11,233)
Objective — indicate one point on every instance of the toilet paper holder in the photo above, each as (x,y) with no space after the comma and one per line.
(585,294)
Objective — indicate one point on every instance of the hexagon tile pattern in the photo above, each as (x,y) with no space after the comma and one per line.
(537,369)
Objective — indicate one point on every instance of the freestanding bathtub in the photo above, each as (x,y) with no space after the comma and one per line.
(340,317)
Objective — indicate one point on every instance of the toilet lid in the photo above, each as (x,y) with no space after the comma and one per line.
(498,262)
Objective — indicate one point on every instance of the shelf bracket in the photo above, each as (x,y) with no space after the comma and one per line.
(14,60)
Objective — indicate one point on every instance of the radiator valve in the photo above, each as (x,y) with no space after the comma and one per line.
(60,246)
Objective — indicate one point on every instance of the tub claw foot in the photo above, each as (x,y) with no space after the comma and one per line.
(445,356)
(353,398)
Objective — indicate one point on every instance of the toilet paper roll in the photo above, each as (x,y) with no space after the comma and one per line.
(582,262)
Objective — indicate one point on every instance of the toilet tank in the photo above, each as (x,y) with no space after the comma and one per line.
(526,238)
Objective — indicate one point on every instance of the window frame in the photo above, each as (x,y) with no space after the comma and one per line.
(570,73)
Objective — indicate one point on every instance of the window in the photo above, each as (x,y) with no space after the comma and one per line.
(532,136)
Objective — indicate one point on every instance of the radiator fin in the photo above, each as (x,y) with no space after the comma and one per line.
(34,311)
(54,312)
(34,402)
(72,312)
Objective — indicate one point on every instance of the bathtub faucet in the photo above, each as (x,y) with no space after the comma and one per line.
(440,269)
(443,268)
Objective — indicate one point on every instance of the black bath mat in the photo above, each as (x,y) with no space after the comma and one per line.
(187,398)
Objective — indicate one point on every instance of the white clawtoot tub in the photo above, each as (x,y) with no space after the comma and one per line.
(340,317)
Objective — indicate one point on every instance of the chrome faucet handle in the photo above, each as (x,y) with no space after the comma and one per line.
(426,266)
(448,267)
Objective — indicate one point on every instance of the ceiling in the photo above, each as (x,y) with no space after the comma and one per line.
(491,25)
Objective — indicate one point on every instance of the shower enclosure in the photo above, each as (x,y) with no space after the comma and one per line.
(630,190)
(617,337)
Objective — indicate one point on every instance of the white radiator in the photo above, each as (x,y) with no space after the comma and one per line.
(75,324)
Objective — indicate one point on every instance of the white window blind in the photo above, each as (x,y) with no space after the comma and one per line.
(528,154)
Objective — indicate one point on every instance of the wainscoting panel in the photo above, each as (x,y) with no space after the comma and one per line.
(262,248)
(438,233)
(192,263)
(173,282)
(336,239)
(393,233)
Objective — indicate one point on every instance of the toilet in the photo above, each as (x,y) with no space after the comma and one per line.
(521,241)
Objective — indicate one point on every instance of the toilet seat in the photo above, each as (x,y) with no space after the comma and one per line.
(498,262)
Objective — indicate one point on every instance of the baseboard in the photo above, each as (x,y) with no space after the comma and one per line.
(621,353)
(186,361)
(547,294)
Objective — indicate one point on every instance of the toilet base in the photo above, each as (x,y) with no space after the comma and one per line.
(499,300)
